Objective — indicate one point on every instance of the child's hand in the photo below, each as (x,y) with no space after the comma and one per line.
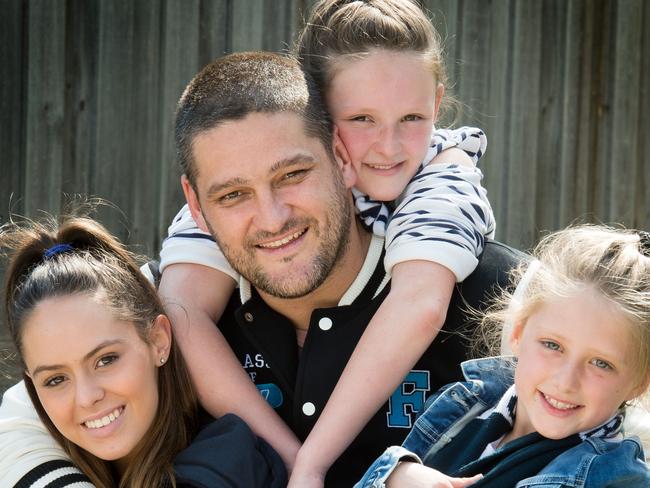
(414,475)
(303,479)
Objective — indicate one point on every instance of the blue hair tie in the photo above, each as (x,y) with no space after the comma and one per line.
(57,249)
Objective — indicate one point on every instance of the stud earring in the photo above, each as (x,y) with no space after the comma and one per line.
(162,360)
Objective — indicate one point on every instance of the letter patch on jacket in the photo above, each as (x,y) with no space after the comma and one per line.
(271,393)
(408,399)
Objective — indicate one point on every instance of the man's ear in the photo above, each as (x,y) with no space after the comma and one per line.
(160,338)
(193,203)
(343,160)
(440,91)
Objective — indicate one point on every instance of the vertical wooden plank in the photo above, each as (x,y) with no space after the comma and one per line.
(626,73)
(642,219)
(495,166)
(12,91)
(111,172)
(82,28)
(574,141)
(281,20)
(180,62)
(45,99)
(214,24)
(592,108)
(522,152)
(145,114)
(473,51)
(247,25)
(602,120)
(552,102)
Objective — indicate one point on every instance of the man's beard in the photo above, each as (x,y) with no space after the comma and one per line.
(333,237)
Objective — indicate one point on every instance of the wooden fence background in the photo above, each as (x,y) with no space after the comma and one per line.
(88,89)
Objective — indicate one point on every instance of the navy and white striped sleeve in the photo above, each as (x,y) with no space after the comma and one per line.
(55,474)
(186,243)
(443,215)
(29,455)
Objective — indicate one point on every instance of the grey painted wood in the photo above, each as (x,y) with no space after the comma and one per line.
(179,63)
(561,87)
(523,113)
(248,25)
(45,100)
(625,110)
(643,195)
(12,106)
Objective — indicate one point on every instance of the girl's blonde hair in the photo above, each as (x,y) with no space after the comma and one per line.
(613,262)
(97,265)
(342,28)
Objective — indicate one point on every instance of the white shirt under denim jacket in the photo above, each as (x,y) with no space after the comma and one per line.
(601,460)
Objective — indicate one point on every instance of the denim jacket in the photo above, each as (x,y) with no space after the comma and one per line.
(594,463)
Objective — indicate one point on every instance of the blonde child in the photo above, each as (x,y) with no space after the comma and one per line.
(554,415)
(379,65)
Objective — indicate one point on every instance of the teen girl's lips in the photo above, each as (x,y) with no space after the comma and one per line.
(284,241)
(105,420)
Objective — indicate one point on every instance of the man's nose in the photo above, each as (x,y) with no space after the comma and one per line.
(272,212)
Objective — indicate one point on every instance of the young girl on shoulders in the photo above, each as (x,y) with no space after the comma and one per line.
(579,328)
(105,377)
(379,66)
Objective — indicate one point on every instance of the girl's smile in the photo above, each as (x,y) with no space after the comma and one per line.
(575,367)
(384,106)
(94,375)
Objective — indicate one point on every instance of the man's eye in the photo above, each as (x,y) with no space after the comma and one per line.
(229,197)
(554,346)
(295,174)
(411,118)
(54,381)
(106,360)
(360,118)
(601,364)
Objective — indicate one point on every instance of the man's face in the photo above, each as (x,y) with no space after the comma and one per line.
(273,199)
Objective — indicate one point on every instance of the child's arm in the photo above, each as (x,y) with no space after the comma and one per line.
(195,297)
(414,475)
(400,331)
(420,294)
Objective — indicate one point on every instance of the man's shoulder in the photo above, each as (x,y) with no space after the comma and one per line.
(492,272)
(499,255)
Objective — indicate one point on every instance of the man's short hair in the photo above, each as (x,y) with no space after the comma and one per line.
(239,84)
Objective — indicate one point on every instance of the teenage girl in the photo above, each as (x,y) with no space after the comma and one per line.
(379,65)
(552,415)
(106,379)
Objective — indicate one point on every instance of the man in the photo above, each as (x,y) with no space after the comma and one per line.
(263,177)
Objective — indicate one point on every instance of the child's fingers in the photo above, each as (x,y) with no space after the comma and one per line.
(463,482)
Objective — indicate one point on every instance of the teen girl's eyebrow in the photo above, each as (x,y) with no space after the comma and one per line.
(95,350)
